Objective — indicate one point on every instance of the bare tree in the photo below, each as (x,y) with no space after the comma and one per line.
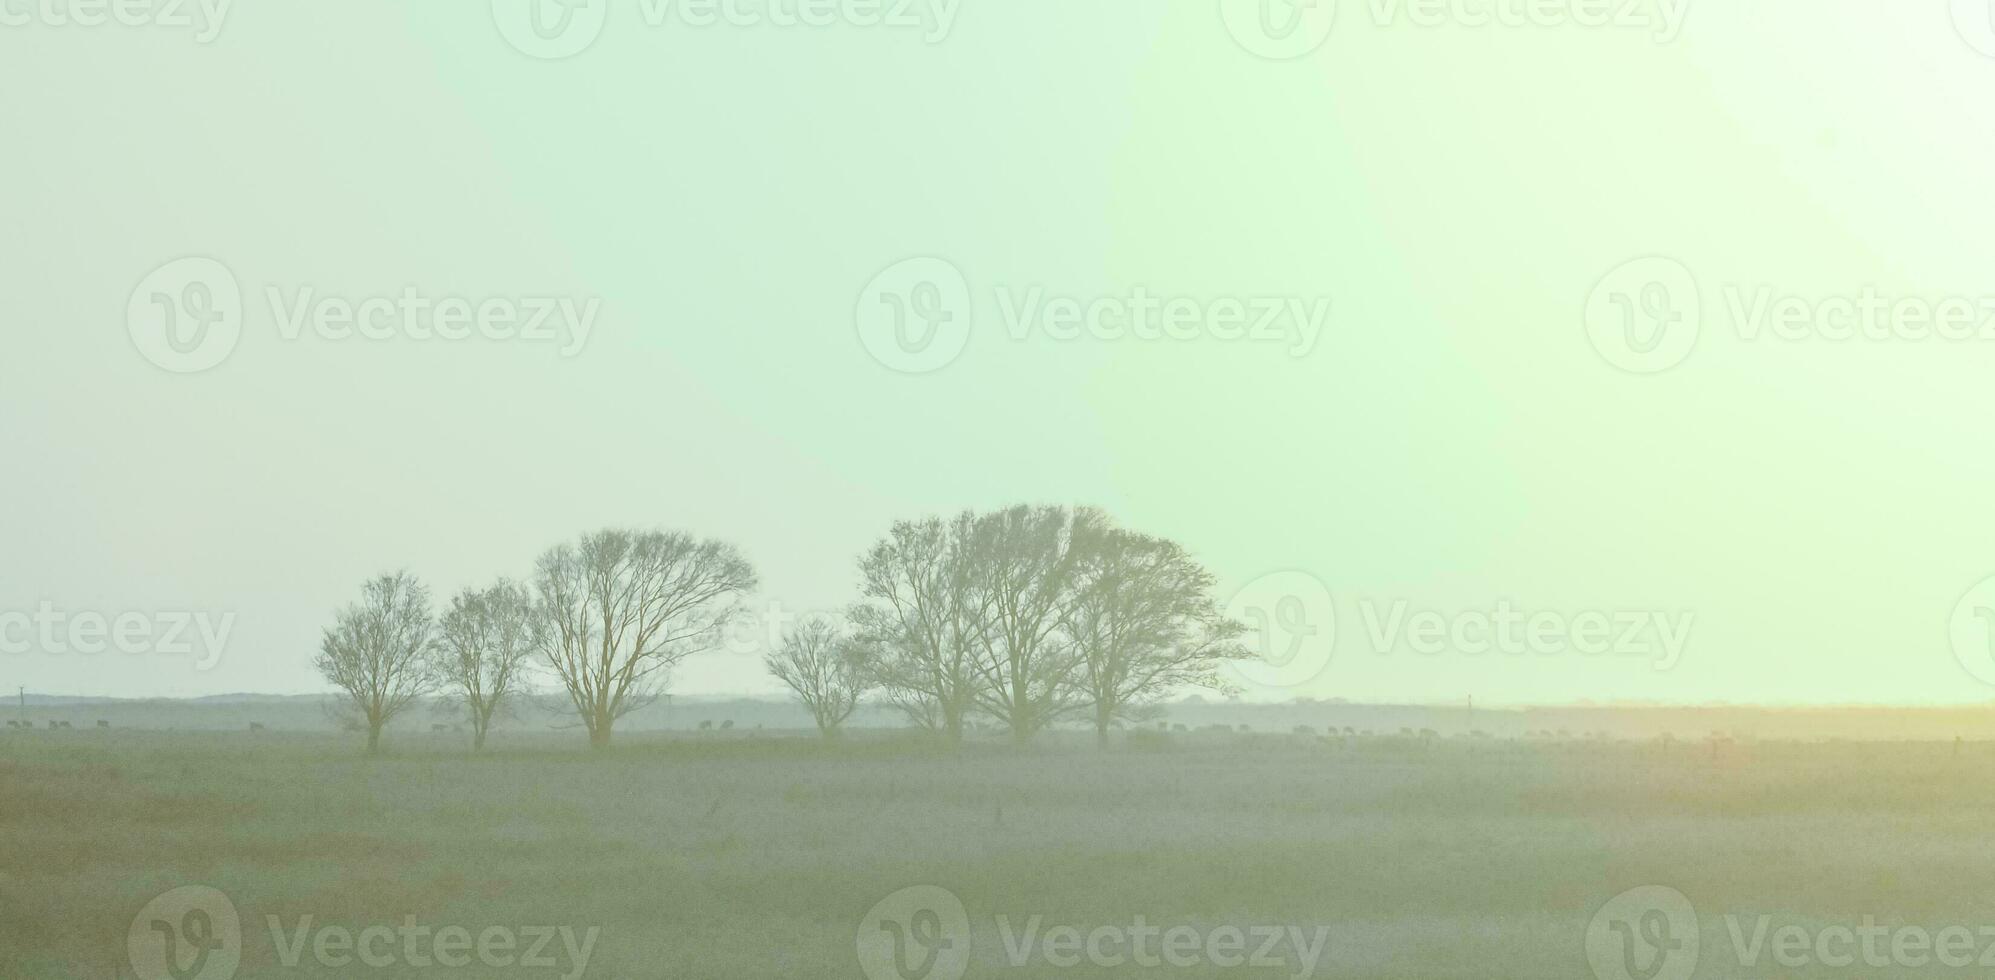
(916,621)
(377,651)
(625,606)
(485,641)
(1020,568)
(825,670)
(1145,623)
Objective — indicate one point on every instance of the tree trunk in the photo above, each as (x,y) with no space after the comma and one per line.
(1103,714)
(373,738)
(599,734)
(952,723)
(478,739)
(1021,709)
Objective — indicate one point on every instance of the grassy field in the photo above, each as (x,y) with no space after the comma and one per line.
(755,857)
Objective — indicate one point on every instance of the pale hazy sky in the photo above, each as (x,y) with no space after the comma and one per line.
(1431,427)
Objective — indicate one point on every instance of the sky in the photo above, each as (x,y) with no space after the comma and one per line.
(1479,350)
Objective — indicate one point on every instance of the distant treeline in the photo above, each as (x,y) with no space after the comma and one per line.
(1017,619)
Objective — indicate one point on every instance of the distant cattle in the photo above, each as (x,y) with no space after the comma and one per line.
(727,725)
(103,724)
(256,726)
(706,726)
(1302,730)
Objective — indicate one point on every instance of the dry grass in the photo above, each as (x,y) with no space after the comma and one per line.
(758,857)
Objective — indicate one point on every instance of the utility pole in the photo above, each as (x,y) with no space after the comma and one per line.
(24,704)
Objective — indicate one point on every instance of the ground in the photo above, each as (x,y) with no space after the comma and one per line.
(765,854)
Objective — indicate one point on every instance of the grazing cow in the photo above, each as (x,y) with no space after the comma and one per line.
(1179,728)
(727,725)
(1302,730)
(13,724)
(103,724)
(54,725)
(256,726)
(706,726)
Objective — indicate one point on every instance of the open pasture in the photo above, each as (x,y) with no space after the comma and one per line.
(762,856)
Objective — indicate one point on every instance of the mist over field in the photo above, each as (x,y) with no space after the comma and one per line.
(938,489)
